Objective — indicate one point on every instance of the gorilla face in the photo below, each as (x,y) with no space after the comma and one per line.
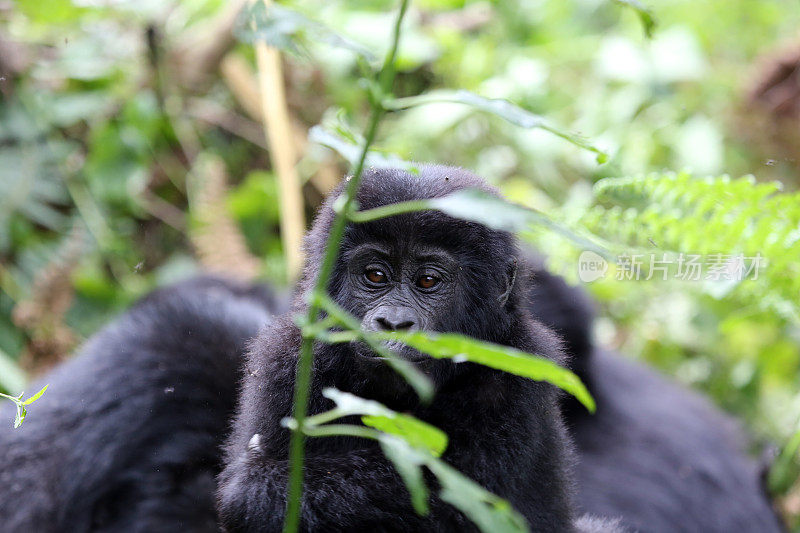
(401,288)
(423,281)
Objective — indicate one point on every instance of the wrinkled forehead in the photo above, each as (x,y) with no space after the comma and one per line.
(400,255)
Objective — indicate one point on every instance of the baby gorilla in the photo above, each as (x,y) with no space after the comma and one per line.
(423,271)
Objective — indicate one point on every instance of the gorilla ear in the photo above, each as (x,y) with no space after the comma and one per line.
(511,278)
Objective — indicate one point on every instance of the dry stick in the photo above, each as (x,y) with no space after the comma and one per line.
(306,360)
(281,144)
(238,76)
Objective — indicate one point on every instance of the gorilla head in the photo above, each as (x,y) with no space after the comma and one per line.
(420,271)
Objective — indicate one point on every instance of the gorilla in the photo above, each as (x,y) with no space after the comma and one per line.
(416,271)
(127,436)
(654,454)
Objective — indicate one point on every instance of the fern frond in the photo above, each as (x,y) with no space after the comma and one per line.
(42,313)
(714,215)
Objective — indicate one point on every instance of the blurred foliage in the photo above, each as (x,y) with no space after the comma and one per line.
(110,113)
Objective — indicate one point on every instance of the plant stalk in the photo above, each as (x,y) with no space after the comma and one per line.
(306,359)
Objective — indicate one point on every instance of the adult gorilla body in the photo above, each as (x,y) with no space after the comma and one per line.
(420,270)
(654,454)
(127,436)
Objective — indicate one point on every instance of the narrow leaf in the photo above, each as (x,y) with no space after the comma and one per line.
(478,206)
(350,404)
(481,207)
(496,106)
(20,418)
(415,432)
(35,396)
(507,359)
(351,151)
(408,463)
(489,512)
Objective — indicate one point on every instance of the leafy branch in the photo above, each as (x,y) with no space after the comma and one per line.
(21,404)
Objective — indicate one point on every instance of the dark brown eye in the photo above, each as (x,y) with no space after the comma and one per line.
(375,275)
(427,282)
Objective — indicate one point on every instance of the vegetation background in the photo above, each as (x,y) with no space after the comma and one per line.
(132,154)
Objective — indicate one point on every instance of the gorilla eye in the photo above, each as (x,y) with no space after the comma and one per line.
(375,276)
(427,282)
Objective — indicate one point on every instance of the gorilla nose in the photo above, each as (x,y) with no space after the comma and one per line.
(395,320)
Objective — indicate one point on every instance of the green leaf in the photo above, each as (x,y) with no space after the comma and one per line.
(645,15)
(21,413)
(408,463)
(349,404)
(489,512)
(414,431)
(287,29)
(496,106)
(479,206)
(417,433)
(35,396)
(505,358)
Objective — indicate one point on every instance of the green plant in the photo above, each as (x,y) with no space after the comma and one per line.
(22,404)
(720,216)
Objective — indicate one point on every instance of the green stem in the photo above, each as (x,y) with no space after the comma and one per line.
(323,418)
(15,399)
(336,430)
(306,359)
(407,102)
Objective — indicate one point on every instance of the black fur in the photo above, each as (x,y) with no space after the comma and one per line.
(127,436)
(505,432)
(655,454)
